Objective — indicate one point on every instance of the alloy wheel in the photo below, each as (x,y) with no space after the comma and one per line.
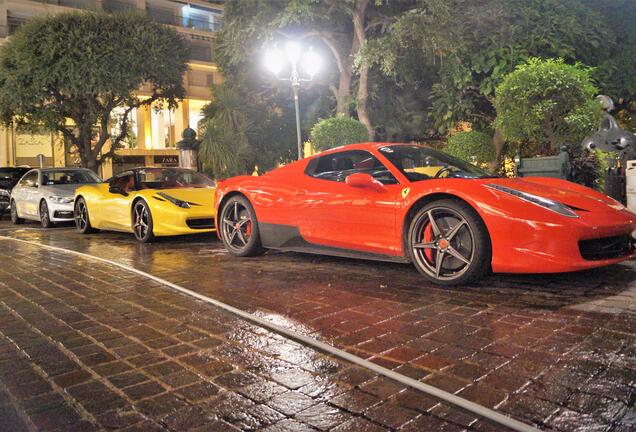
(444,246)
(141,221)
(81,216)
(236,225)
(44,215)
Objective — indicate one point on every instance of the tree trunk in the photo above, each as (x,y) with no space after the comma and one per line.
(359,35)
(344,89)
(499,143)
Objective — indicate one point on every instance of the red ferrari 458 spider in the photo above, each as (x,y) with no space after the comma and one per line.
(409,203)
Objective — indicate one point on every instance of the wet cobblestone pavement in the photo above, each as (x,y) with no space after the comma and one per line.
(91,346)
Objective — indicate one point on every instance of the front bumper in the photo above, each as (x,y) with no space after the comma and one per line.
(548,247)
(60,212)
(5,199)
(183,221)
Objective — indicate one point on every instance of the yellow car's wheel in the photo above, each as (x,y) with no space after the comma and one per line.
(142,222)
(82,221)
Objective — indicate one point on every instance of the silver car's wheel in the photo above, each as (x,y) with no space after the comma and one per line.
(449,243)
(45,217)
(17,220)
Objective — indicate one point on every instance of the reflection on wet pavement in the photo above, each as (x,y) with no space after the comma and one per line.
(555,350)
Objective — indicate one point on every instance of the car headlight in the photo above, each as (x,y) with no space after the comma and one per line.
(61,199)
(175,201)
(546,203)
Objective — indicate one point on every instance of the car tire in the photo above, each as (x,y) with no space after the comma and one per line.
(45,216)
(455,249)
(239,228)
(142,222)
(17,220)
(81,216)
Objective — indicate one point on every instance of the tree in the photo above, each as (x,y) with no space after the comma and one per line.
(476,43)
(471,146)
(337,131)
(240,133)
(547,102)
(71,73)
(340,29)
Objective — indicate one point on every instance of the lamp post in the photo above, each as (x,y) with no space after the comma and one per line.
(275,60)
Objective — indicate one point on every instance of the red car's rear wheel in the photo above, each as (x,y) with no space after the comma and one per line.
(449,243)
(239,228)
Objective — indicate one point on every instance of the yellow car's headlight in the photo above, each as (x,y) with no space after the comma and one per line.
(175,201)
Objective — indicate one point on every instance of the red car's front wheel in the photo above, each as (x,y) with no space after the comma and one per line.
(448,243)
(239,229)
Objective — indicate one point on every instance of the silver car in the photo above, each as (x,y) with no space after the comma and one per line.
(47,194)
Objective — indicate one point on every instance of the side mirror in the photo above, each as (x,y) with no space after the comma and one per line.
(361,180)
(117,190)
(31,183)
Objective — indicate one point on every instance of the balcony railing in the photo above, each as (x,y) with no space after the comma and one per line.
(114,6)
(161,15)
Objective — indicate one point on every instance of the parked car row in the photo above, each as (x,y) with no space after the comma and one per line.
(394,202)
(147,202)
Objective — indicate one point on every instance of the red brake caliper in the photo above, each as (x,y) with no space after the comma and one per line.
(248,228)
(427,236)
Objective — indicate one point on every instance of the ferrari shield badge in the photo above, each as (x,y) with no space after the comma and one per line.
(405,192)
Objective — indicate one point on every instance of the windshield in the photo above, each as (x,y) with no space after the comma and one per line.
(172,178)
(66,177)
(417,162)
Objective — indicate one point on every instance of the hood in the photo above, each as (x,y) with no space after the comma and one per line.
(200,196)
(575,196)
(61,190)
(8,184)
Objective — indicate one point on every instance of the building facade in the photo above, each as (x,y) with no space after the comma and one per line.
(155,132)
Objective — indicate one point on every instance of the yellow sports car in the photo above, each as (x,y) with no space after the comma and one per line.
(148,202)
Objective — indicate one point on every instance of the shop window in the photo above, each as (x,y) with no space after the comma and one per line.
(116,118)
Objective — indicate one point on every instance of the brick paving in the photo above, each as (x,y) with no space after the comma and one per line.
(85,346)
(556,351)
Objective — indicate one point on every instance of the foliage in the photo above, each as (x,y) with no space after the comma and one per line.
(240,133)
(337,131)
(431,63)
(585,166)
(83,66)
(471,146)
(548,102)
(476,44)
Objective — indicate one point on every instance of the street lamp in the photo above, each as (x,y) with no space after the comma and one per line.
(309,61)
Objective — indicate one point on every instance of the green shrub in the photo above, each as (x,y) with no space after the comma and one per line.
(475,147)
(337,131)
(547,102)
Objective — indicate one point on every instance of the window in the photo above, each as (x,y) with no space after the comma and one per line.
(338,166)
(124,181)
(171,178)
(417,162)
(50,178)
(30,180)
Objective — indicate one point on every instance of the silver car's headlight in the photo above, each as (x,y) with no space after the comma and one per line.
(546,203)
(61,199)
(175,201)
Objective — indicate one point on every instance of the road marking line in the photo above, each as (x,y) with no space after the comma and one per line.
(452,399)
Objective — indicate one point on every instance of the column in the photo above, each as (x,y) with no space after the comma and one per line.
(4,22)
(182,116)
(144,127)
